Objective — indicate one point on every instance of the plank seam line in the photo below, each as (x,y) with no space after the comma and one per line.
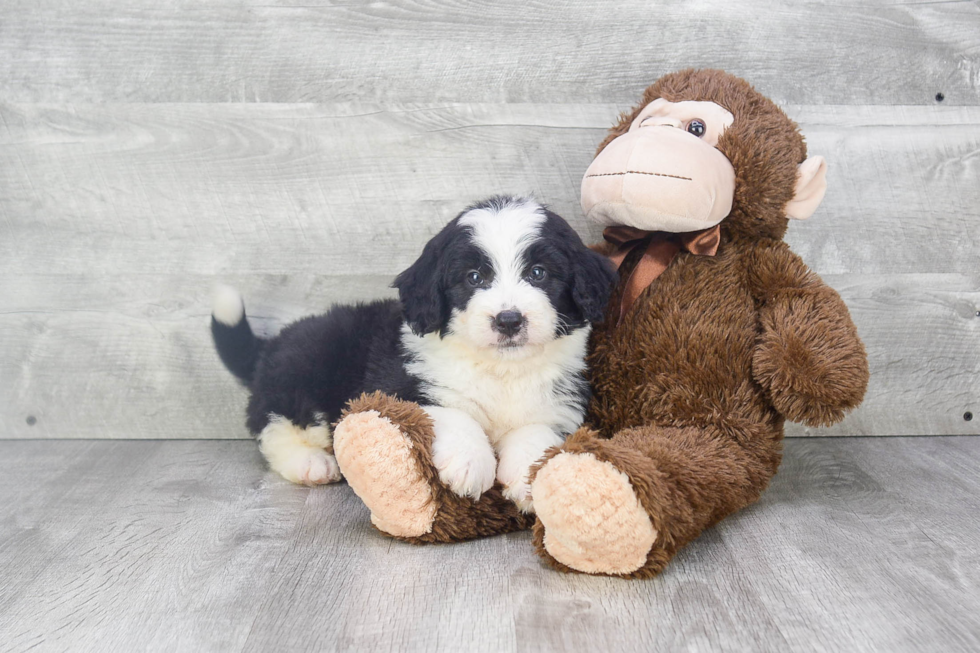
(637,172)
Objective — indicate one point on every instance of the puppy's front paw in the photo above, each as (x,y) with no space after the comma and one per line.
(520,494)
(512,473)
(467,468)
(461,452)
(520,449)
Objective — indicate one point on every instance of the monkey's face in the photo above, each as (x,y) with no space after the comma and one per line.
(665,173)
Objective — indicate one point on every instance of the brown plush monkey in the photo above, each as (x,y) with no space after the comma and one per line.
(716,334)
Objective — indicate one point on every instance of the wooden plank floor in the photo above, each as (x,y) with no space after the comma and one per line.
(860,544)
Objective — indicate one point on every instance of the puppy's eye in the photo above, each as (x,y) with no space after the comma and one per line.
(537,274)
(475,279)
(697,127)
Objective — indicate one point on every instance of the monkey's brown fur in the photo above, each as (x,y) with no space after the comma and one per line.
(692,388)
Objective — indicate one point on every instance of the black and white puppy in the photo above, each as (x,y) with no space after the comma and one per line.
(489,337)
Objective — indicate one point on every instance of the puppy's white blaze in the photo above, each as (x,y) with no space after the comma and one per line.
(228,307)
(502,393)
(504,235)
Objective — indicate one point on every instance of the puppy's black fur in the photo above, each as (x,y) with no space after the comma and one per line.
(317,364)
(314,366)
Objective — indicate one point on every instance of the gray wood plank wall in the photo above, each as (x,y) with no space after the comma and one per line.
(305,153)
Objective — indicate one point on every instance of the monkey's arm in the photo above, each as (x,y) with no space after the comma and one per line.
(809,357)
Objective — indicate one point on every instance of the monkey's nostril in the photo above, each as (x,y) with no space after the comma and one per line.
(508,322)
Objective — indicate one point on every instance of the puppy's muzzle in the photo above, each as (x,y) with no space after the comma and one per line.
(508,323)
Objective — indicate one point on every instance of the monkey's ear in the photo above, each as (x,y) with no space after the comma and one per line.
(811,184)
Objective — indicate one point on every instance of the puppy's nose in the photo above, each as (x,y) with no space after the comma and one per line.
(508,322)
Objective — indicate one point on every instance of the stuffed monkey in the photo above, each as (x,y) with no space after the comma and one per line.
(716,334)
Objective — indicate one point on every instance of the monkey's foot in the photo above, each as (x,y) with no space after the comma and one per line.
(591,518)
(378,462)
(385,449)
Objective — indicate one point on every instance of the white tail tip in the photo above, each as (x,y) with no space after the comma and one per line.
(228,306)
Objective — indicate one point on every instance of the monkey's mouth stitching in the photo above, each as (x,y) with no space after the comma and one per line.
(637,172)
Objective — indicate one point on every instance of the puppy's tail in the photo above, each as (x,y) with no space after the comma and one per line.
(233,338)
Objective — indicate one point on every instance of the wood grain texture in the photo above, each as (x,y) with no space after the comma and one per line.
(863,52)
(278,189)
(860,544)
(117,220)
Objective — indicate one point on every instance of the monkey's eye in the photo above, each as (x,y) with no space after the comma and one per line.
(537,274)
(475,278)
(696,127)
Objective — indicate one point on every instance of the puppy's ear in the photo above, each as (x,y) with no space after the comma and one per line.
(421,288)
(593,278)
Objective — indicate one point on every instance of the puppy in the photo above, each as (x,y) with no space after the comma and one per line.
(489,337)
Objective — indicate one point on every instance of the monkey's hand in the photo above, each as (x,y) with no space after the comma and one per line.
(809,357)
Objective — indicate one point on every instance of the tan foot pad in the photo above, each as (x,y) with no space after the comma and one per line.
(593,521)
(375,457)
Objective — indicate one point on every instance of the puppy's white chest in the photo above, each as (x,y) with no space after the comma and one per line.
(502,395)
(501,404)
